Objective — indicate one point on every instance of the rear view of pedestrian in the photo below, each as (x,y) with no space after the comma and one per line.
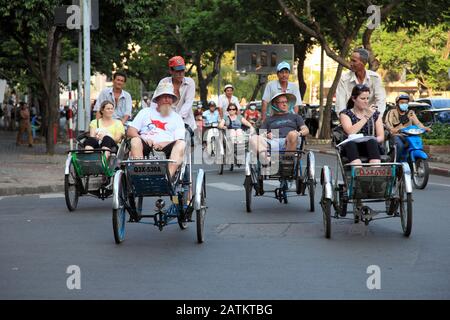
(24,125)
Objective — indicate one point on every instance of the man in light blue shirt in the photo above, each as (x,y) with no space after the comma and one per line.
(120,98)
(212,115)
(281,85)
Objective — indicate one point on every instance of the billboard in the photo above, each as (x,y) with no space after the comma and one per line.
(262,58)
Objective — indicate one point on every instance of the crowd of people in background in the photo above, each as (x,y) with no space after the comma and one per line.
(360,96)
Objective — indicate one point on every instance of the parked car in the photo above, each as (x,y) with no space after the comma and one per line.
(435,103)
(431,116)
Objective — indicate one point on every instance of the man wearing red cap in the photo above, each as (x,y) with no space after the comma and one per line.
(184,89)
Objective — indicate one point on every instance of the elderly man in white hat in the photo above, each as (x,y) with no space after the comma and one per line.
(226,99)
(283,128)
(159,128)
(282,84)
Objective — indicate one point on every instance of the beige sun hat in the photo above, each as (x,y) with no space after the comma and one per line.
(291,98)
(164,88)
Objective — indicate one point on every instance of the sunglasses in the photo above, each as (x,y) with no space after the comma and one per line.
(232,109)
(361,86)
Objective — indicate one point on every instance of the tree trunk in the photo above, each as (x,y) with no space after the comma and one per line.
(258,86)
(374,63)
(325,129)
(203,81)
(52,96)
(203,88)
(301,57)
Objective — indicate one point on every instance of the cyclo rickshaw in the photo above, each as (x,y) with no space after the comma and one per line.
(149,177)
(89,172)
(285,166)
(363,184)
(223,148)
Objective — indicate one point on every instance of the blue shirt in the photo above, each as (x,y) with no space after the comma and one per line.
(211,117)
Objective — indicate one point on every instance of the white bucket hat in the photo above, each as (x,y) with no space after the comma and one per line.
(164,88)
(228,86)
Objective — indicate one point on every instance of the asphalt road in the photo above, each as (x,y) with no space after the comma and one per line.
(276,252)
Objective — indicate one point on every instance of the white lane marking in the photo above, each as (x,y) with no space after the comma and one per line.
(439,184)
(11,196)
(51,196)
(225,186)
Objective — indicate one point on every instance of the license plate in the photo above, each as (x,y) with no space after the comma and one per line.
(148,170)
(373,172)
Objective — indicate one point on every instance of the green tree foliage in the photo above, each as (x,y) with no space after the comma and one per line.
(421,54)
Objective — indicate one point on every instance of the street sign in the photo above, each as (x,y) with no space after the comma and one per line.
(70,15)
(63,74)
(262,58)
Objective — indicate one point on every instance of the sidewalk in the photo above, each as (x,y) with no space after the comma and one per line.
(439,163)
(26,170)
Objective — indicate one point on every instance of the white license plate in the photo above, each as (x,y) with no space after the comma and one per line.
(373,172)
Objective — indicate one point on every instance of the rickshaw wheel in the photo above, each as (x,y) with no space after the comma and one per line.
(326,208)
(420,182)
(248,193)
(405,210)
(71,188)
(119,216)
(342,205)
(311,191)
(200,215)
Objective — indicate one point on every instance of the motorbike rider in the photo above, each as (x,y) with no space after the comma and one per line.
(401,117)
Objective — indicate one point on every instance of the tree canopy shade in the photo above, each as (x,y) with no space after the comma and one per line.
(338,25)
(35,47)
(423,55)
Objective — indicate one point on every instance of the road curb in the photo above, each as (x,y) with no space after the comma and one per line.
(12,191)
(433,170)
(440,171)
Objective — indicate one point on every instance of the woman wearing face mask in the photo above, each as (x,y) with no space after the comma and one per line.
(251,114)
(399,118)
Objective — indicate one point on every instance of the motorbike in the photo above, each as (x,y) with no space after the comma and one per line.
(416,157)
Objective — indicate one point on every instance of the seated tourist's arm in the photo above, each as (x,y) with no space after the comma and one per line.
(350,128)
(379,129)
(245,122)
(93,129)
(304,130)
(301,124)
(119,132)
(222,124)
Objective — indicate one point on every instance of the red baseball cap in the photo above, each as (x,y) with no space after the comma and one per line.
(177,63)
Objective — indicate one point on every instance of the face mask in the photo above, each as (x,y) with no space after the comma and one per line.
(403,107)
(252,107)
(276,109)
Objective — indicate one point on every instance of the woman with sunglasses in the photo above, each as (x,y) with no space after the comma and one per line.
(359,117)
(233,122)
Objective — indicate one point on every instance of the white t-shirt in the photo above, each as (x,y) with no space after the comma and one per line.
(151,125)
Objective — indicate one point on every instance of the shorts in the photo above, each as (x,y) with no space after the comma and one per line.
(167,149)
(276,144)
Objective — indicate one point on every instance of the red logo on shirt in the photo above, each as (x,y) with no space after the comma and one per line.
(159,124)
